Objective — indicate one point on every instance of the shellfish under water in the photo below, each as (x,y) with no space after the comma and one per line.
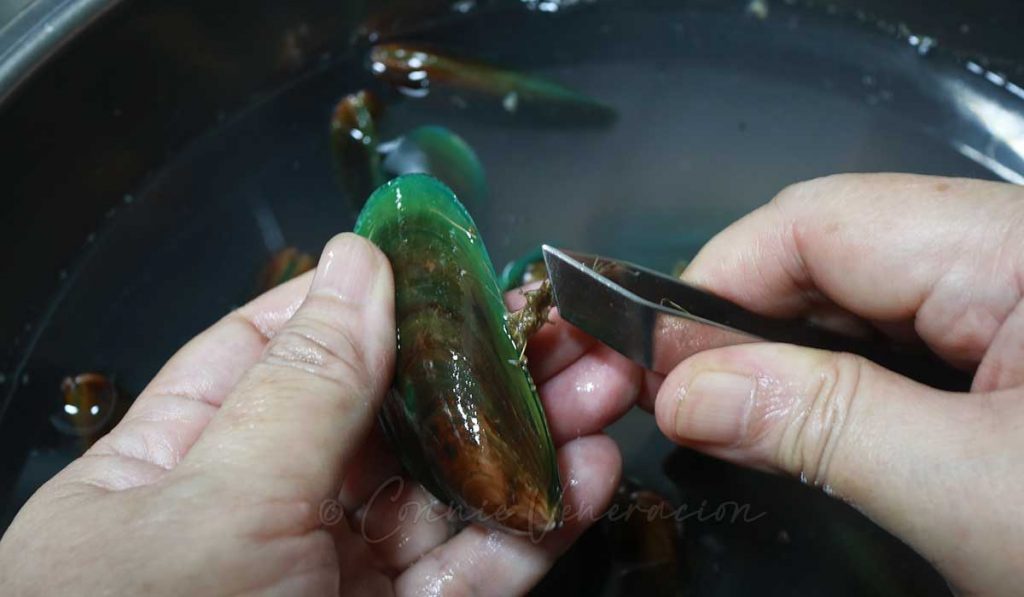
(528,269)
(415,69)
(643,532)
(363,163)
(463,413)
(284,265)
(353,131)
(90,406)
(441,153)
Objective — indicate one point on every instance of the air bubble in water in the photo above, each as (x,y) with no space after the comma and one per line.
(923,43)
(758,9)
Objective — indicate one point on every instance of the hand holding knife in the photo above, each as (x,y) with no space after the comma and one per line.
(657,321)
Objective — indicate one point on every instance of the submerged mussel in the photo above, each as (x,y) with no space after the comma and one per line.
(644,534)
(463,413)
(528,269)
(363,163)
(286,264)
(90,406)
(680,267)
(354,144)
(441,153)
(416,69)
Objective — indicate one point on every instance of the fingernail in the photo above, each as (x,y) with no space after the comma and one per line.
(348,268)
(714,407)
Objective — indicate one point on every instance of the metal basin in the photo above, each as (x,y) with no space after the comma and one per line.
(156,153)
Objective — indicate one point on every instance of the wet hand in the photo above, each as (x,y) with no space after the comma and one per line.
(251,463)
(932,260)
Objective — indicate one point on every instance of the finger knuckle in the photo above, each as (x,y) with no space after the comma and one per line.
(444,574)
(807,190)
(817,427)
(319,348)
(964,330)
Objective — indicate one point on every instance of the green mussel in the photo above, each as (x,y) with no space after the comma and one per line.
(443,154)
(463,414)
(527,269)
(680,267)
(286,264)
(354,144)
(417,69)
(644,534)
(89,408)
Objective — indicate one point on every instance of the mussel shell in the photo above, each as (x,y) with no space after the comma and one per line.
(644,539)
(443,154)
(417,69)
(89,406)
(464,414)
(284,265)
(527,269)
(354,143)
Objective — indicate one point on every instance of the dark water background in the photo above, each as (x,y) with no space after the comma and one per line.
(717,111)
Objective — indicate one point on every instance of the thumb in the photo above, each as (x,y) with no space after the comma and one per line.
(903,453)
(290,426)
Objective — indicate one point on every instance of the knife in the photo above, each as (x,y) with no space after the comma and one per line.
(657,320)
